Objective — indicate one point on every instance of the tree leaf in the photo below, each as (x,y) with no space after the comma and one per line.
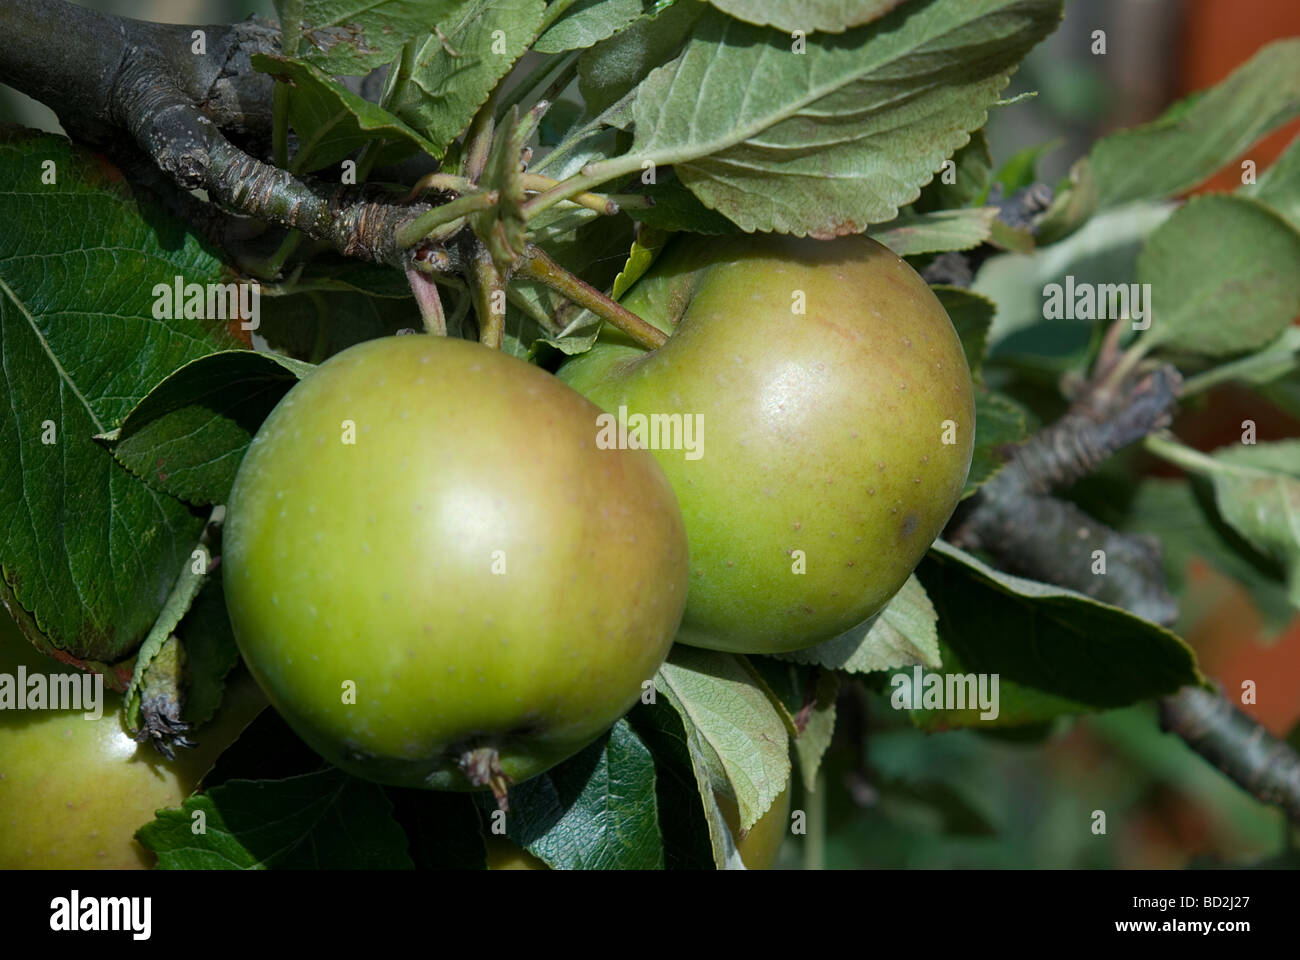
(608,71)
(588,22)
(1258,494)
(910,234)
(595,811)
(829,141)
(312,325)
(331,120)
(445,828)
(210,651)
(1104,251)
(902,634)
(88,549)
(645,248)
(729,719)
(188,436)
(828,16)
(1186,146)
(1279,185)
(446,88)
(1224,274)
(1053,651)
(971,316)
(1188,527)
(804,695)
(999,423)
(1022,169)
(683,792)
(677,209)
(318,821)
(972,168)
(352,37)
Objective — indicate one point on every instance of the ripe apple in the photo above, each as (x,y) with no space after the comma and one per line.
(759,847)
(837,420)
(73,791)
(437,576)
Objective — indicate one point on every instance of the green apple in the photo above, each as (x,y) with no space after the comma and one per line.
(74,790)
(833,420)
(437,575)
(759,847)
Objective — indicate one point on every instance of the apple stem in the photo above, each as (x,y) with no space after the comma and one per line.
(482,767)
(537,265)
(488,288)
(430,304)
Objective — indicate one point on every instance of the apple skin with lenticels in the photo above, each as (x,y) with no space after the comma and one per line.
(437,575)
(835,421)
(74,790)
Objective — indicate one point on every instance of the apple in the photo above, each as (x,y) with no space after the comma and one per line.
(437,575)
(759,847)
(833,416)
(73,790)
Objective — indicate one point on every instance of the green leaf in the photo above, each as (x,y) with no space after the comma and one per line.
(159,660)
(313,326)
(318,821)
(902,634)
(1186,146)
(684,819)
(1053,651)
(646,247)
(941,230)
(331,120)
(446,88)
(1073,206)
(999,423)
(1189,527)
(557,121)
(188,436)
(1022,169)
(352,37)
(210,651)
(677,209)
(1272,362)
(730,721)
(1224,275)
(588,22)
(829,141)
(1279,185)
(595,811)
(971,316)
(445,828)
(1258,493)
(88,549)
(972,166)
(609,70)
(1104,251)
(806,697)
(828,16)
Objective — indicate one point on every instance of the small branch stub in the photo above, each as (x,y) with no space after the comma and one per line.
(482,767)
